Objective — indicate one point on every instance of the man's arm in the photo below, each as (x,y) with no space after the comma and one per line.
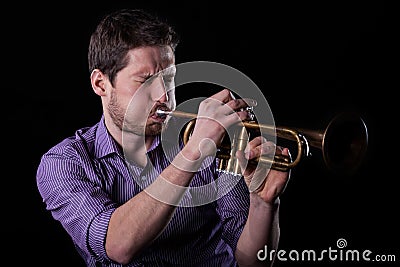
(140,220)
(261,229)
(262,225)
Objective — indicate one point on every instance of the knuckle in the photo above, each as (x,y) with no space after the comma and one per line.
(269,143)
(226,92)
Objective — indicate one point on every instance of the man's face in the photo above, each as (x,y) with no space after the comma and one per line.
(143,86)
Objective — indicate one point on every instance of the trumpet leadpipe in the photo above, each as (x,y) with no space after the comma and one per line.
(267,129)
(175,113)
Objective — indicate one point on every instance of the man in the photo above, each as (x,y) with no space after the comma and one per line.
(91,182)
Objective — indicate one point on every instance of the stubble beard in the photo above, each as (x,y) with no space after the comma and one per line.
(117,114)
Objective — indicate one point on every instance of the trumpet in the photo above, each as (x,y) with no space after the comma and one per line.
(343,142)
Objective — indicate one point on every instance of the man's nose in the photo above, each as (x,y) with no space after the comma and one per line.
(164,97)
(160,93)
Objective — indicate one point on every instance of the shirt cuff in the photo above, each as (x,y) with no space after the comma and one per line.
(97,235)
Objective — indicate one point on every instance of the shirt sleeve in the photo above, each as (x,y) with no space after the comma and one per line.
(233,208)
(75,200)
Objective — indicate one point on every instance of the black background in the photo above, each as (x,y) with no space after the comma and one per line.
(310,59)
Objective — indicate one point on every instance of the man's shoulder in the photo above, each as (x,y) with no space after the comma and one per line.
(82,140)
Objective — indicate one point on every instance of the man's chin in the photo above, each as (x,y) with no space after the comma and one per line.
(154,129)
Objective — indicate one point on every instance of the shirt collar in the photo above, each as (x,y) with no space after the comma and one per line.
(105,143)
(155,143)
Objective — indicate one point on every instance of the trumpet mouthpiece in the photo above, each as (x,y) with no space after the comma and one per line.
(162,113)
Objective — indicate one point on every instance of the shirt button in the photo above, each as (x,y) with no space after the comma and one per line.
(143,178)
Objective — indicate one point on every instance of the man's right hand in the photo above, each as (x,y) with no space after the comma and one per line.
(216,114)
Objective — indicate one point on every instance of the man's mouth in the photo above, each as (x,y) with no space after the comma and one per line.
(160,116)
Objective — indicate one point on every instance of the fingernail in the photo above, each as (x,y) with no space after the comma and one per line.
(252,102)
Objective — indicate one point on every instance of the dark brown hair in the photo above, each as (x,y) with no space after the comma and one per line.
(121,31)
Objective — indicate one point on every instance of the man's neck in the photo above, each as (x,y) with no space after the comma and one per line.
(134,146)
(148,140)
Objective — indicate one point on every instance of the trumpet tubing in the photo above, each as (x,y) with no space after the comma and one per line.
(343,142)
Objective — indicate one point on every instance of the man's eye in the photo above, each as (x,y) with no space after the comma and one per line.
(147,80)
(150,79)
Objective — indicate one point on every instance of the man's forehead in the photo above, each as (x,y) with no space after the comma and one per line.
(167,53)
(152,59)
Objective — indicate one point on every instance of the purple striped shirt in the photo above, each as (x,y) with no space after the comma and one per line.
(84,178)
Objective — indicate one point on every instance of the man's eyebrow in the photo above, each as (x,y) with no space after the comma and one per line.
(142,74)
(169,71)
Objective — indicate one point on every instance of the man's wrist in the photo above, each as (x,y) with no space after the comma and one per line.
(188,159)
(257,201)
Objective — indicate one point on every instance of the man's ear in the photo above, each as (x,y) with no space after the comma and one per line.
(98,81)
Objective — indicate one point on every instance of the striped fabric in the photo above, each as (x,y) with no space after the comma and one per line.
(84,178)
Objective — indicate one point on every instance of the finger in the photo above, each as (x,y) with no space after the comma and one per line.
(253,147)
(243,163)
(240,104)
(286,152)
(256,141)
(242,160)
(237,117)
(259,146)
(224,96)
